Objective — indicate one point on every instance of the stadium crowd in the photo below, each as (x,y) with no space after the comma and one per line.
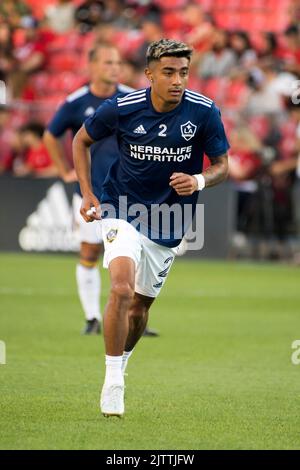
(246,57)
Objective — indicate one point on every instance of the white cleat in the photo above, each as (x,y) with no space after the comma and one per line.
(112,400)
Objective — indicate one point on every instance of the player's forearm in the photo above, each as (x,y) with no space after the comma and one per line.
(56,152)
(217,172)
(82,162)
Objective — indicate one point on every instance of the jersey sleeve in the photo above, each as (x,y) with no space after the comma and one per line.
(62,120)
(215,140)
(103,122)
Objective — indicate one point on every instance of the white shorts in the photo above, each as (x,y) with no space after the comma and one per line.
(89,232)
(152,261)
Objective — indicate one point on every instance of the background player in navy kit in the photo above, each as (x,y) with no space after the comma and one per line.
(104,71)
(163,133)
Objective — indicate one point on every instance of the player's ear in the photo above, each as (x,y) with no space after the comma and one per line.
(148,74)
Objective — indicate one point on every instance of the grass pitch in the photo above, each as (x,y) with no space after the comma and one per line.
(219,377)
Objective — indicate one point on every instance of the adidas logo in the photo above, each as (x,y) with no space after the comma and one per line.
(49,227)
(140,130)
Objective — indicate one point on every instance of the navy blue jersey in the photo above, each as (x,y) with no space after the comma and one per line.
(72,114)
(154,145)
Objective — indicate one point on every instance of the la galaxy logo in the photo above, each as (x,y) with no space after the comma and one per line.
(188,130)
(112,235)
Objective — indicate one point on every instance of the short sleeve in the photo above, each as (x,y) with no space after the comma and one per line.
(62,120)
(215,140)
(103,122)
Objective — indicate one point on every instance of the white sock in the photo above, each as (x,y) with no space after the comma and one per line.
(89,285)
(125,357)
(114,374)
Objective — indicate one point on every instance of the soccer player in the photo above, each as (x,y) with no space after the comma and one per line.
(163,132)
(104,71)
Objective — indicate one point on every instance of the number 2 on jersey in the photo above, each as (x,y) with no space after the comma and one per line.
(163,128)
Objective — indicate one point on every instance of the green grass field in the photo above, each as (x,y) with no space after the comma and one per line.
(219,377)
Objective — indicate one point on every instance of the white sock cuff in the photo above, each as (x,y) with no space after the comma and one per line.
(113,361)
(127,354)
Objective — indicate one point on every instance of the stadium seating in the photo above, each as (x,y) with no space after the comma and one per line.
(43,110)
(250,15)
(260,125)
(38,6)
(44,83)
(66,61)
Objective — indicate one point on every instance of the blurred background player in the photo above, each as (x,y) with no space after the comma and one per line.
(104,72)
(36,159)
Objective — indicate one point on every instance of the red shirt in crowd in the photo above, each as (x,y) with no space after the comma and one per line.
(38,159)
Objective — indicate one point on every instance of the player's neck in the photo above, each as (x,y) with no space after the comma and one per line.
(102,89)
(160,105)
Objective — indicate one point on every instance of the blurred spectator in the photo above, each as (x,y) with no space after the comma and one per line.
(6,136)
(89,14)
(13,10)
(296,193)
(113,12)
(294,13)
(7,60)
(220,60)
(241,46)
(291,54)
(130,74)
(244,166)
(268,45)
(105,32)
(137,11)
(37,161)
(61,17)
(285,171)
(268,89)
(30,55)
(198,30)
(152,31)
(244,160)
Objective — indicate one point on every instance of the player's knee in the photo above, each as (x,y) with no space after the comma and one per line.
(89,253)
(122,291)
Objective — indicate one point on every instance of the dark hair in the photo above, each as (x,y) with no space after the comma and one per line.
(35,128)
(272,43)
(167,48)
(291,31)
(244,36)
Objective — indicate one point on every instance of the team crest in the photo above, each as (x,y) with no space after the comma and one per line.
(188,130)
(112,235)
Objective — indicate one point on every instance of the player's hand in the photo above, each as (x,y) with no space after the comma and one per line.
(184,185)
(90,208)
(70,176)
